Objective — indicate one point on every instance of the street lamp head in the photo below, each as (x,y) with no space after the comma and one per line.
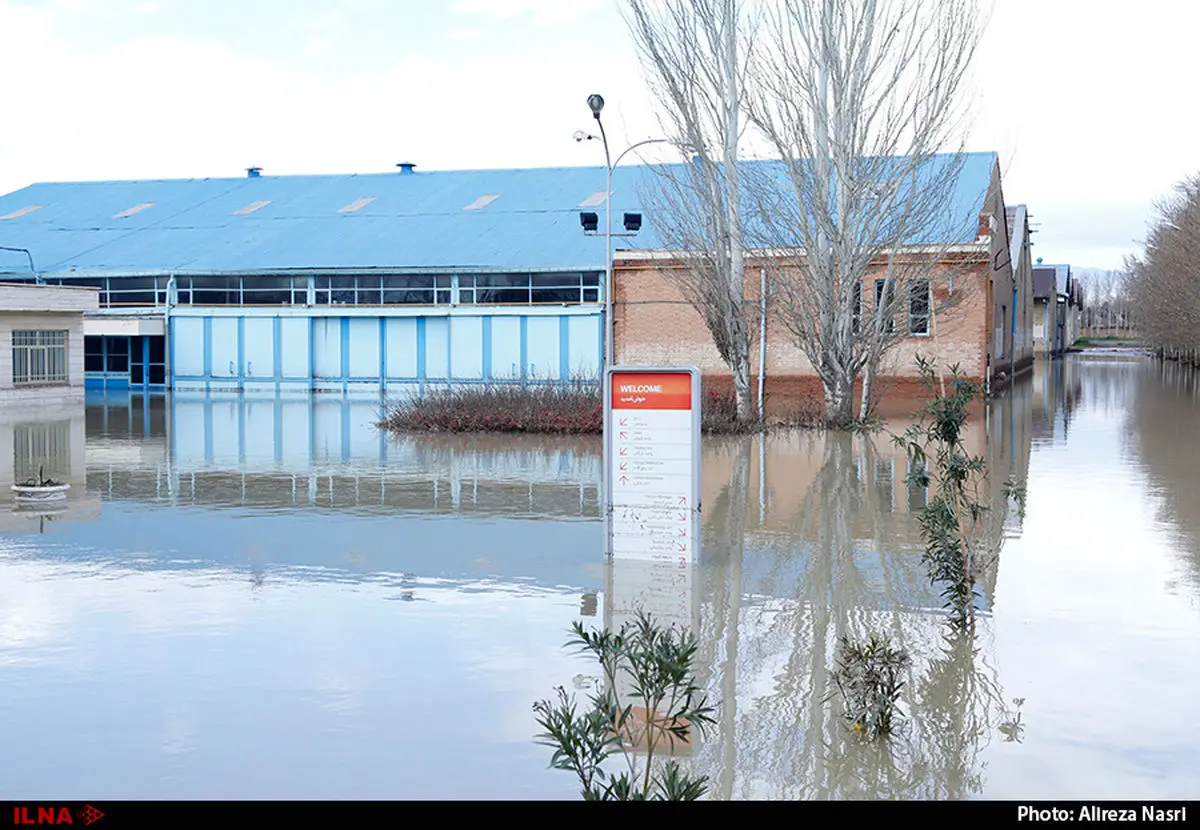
(580,135)
(596,103)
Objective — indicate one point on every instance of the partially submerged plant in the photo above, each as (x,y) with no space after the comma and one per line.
(656,663)
(40,480)
(868,677)
(952,514)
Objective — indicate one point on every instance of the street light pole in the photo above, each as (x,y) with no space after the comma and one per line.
(596,103)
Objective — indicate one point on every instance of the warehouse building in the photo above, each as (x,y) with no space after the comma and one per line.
(368,284)
(382,284)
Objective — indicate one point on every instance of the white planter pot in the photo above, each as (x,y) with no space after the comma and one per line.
(32,492)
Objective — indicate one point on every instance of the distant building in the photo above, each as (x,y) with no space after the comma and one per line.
(1057,306)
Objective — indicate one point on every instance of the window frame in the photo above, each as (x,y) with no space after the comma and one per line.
(928,315)
(44,349)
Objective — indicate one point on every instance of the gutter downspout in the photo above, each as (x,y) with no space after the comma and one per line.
(762,341)
(168,368)
(1012,354)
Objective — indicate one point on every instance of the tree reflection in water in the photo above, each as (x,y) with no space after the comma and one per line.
(838,557)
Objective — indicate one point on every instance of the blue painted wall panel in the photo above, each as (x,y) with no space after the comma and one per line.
(437,348)
(543,348)
(402,347)
(584,352)
(258,338)
(189,346)
(466,348)
(327,347)
(224,347)
(294,348)
(506,347)
(364,347)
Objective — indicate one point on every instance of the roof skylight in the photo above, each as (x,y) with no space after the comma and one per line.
(17,214)
(483,201)
(594,200)
(250,208)
(357,204)
(133,210)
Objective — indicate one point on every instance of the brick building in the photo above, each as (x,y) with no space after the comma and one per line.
(978,314)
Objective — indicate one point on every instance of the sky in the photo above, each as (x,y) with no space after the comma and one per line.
(1079,99)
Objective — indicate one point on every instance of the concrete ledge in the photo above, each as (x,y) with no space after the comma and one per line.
(37,401)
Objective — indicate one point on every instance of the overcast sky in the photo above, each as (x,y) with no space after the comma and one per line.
(1084,101)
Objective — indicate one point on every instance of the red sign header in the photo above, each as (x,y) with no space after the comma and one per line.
(652,390)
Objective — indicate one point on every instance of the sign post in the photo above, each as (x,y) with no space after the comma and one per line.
(652,503)
(652,463)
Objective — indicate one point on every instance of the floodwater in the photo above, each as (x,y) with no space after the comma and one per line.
(270,599)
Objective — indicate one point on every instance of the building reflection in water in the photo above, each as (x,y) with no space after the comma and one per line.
(44,441)
(806,537)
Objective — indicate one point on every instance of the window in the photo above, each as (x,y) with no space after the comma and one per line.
(267,290)
(135,291)
(502,288)
(93,354)
(212,291)
(39,358)
(888,307)
(918,307)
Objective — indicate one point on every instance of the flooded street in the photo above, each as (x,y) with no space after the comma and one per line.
(269,599)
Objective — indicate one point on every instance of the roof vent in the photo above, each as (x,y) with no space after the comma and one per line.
(253,172)
(406,166)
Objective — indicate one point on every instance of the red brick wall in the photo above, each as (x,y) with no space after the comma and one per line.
(655,325)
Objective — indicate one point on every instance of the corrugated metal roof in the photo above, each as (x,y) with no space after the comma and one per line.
(400,221)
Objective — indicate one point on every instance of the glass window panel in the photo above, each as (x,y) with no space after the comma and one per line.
(341,290)
(158,374)
(408,281)
(158,350)
(555,280)
(501,280)
(918,308)
(466,296)
(443,296)
(591,279)
(502,295)
(591,295)
(410,297)
(216,291)
(556,295)
(135,374)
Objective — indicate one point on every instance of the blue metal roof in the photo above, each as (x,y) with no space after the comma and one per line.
(413,220)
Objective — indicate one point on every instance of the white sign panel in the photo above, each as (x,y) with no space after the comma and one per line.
(652,463)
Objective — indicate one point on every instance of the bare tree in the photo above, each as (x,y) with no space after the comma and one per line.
(1164,284)
(858,97)
(694,53)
